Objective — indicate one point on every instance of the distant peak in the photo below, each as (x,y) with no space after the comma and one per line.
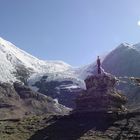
(6,43)
(126,45)
(3,40)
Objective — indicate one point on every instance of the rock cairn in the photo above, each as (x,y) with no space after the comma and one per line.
(100,95)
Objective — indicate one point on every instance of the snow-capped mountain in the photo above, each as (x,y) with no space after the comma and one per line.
(12,58)
(17,65)
(122,61)
(57,79)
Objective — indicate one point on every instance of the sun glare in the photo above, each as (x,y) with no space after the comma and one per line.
(138,23)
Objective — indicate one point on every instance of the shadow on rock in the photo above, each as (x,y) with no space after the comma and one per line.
(74,126)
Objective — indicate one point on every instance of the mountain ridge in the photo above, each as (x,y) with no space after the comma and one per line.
(15,57)
(60,80)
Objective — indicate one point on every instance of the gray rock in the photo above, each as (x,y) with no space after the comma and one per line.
(18,100)
(101,95)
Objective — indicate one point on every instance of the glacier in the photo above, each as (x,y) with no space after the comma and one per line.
(11,57)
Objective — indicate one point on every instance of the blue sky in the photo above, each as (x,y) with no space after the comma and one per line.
(74,31)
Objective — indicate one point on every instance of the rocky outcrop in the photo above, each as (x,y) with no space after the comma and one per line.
(18,100)
(60,90)
(100,95)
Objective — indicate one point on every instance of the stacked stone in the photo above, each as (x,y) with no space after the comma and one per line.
(100,95)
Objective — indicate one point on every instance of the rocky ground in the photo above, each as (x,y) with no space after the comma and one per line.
(97,126)
(22,129)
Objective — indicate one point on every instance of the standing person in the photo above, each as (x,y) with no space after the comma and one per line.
(99,65)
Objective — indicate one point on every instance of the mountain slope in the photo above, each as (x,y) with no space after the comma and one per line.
(57,78)
(13,59)
(17,101)
(61,81)
(122,62)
